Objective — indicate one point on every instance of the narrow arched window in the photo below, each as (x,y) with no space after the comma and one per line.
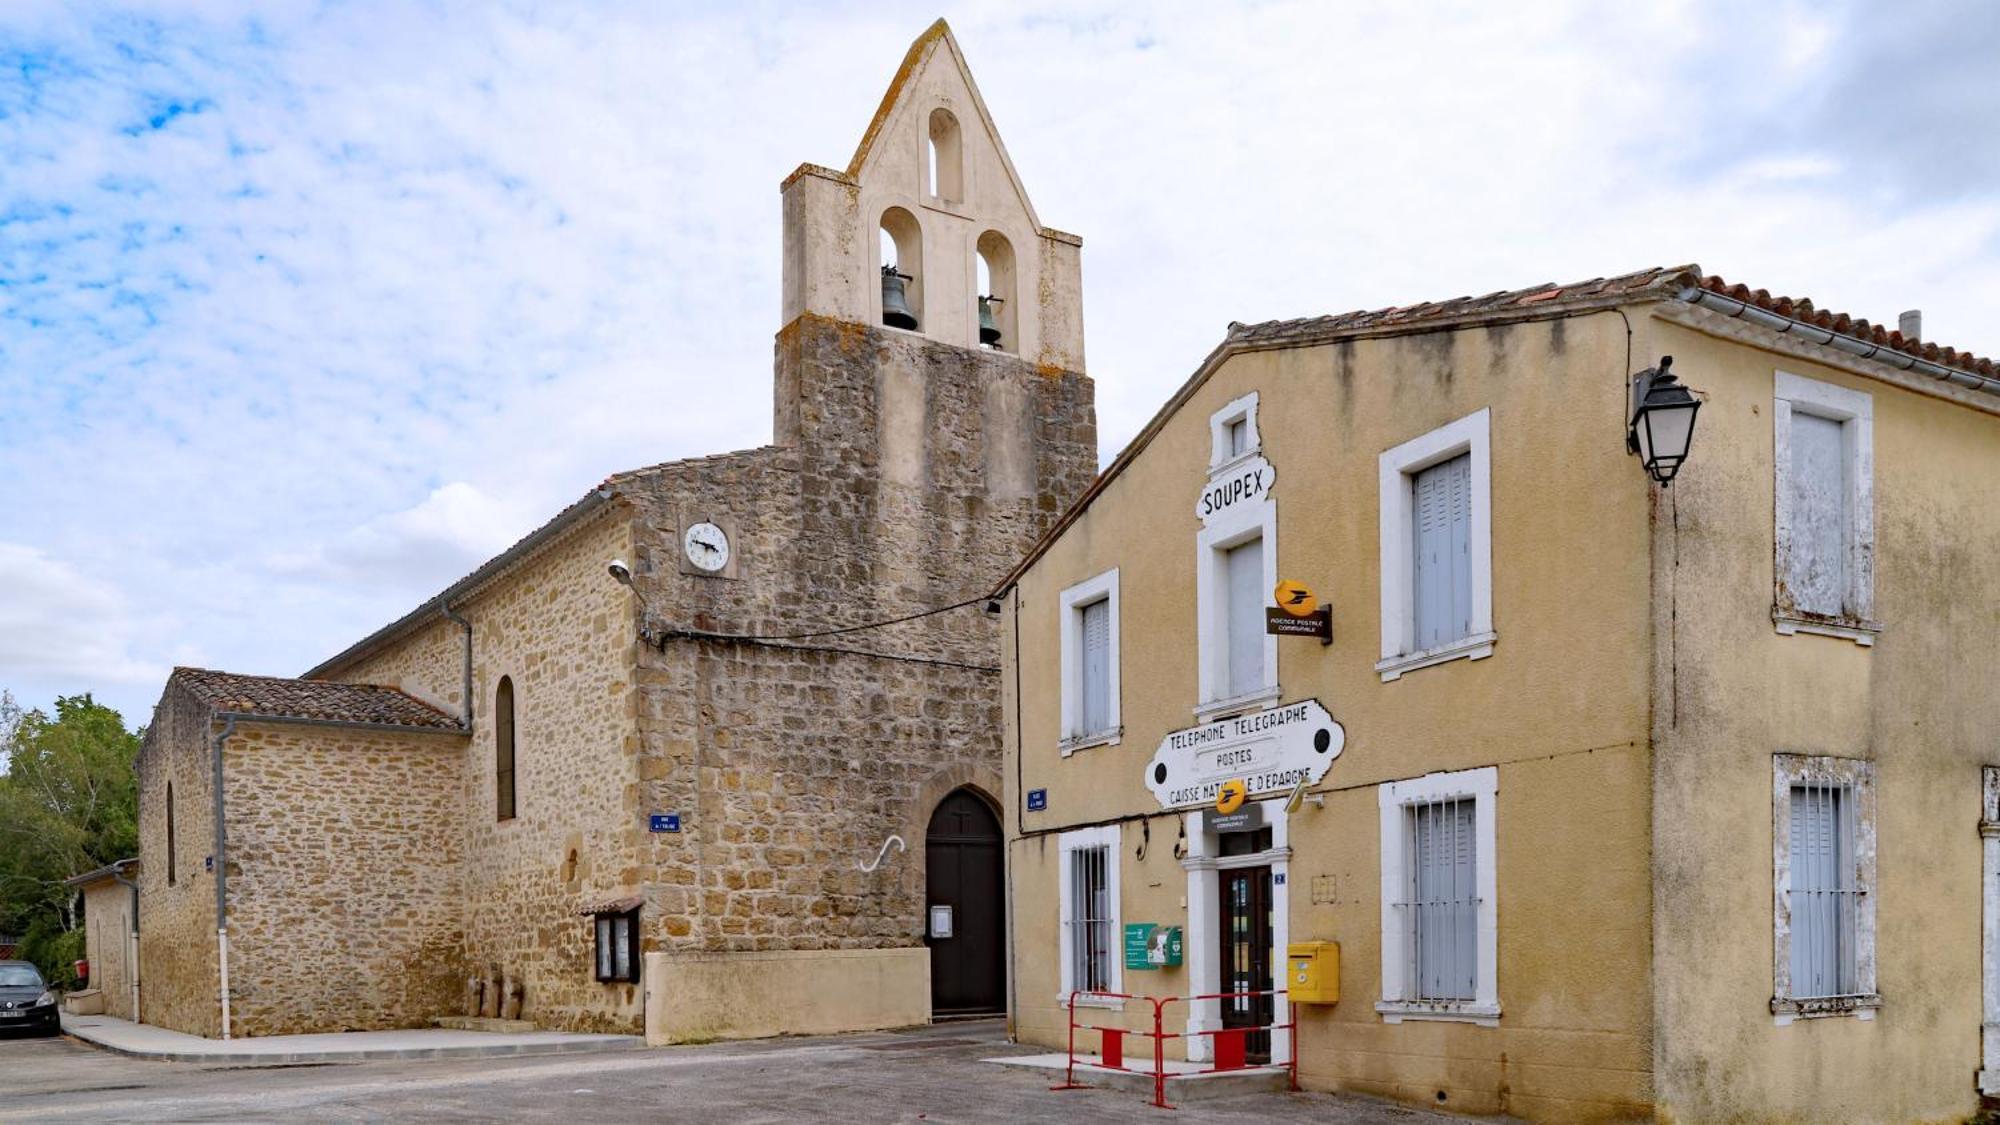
(503,750)
(999,316)
(173,870)
(902,249)
(946,180)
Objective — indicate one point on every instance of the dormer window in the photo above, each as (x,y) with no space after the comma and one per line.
(945,179)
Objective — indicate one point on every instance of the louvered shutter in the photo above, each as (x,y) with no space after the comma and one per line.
(1096,710)
(1822,906)
(1443,579)
(1445,904)
(1818,570)
(1244,577)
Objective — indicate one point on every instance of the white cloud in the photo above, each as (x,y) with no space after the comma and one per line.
(308,307)
(61,628)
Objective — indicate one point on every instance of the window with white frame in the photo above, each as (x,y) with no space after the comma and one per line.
(1823,459)
(1239,660)
(1437,548)
(1233,432)
(1090,663)
(1823,832)
(1090,928)
(1439,908)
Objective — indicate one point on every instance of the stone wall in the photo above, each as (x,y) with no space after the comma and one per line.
(177,918)
(564,633)
(344,906)
(107,935)
(910,475)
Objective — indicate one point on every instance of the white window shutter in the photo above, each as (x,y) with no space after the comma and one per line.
(1818,577)
(1442,586)
(1821,892)
(1096,671)
(1244,566)
(1444,900)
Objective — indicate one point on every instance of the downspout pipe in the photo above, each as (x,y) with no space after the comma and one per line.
(1864,349)
(132,956)
(466,625)
(222,875)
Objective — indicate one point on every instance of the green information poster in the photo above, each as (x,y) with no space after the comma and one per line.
(1138,939)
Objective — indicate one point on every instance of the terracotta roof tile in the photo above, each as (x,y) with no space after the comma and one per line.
(311,699)
(1658,283)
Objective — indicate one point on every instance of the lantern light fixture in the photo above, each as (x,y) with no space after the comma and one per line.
(1662,425)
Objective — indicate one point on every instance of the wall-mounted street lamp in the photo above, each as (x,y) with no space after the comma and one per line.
(1662,425)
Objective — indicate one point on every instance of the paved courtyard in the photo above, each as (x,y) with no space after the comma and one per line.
(931,1075)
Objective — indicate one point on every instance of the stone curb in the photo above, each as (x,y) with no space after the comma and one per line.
(294,1058)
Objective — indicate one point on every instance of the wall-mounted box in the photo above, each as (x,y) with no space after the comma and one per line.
(1312,972)
(1152,946)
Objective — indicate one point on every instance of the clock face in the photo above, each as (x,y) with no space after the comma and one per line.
(706,546)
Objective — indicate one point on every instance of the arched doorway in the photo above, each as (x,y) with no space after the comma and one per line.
(964,925)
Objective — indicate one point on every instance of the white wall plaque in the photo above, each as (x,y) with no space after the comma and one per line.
(1247,483)
(1271,750)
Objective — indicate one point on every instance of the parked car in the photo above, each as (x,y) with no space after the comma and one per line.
(27,1003)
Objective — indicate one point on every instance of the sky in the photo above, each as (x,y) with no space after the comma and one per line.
(306,310)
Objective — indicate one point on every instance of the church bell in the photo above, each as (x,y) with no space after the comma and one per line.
(895,306)
(989,324)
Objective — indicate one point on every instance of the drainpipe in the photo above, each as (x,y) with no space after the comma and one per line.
(467,626)
(132,942)
(222,876)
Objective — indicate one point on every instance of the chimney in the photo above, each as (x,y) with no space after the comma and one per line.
(1911,324)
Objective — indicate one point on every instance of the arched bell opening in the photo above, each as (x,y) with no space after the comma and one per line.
(964,901)
(945,170)
(999,314)
(902,249)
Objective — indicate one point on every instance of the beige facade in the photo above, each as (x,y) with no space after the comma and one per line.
(111,939)
(1614,710)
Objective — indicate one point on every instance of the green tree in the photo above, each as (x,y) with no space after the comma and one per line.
(68,804)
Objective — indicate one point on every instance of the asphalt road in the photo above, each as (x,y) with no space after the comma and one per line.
(931,1075)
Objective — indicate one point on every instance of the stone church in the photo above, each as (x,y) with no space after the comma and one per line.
(714,751)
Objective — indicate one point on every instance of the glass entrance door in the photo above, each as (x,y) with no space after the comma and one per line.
(1246,955)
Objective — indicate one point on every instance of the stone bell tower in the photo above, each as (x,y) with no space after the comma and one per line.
(933,334)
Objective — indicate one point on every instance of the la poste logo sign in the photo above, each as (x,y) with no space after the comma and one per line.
(1270,750)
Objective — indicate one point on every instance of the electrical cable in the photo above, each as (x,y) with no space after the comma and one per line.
(848,628)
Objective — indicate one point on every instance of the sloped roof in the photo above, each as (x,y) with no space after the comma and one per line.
(320,700)
(1535,302)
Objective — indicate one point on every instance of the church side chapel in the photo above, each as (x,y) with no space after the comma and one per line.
(716,750)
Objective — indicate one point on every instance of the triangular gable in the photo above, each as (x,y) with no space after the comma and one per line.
(923,54)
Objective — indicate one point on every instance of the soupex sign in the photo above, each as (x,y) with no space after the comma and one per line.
(1246,483)
(1270,750)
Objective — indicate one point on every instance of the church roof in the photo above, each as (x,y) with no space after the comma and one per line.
(275,697)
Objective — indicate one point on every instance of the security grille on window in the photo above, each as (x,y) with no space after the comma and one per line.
(1823,865)
(1441,901)
(1243,574)
(1442,583)
(618,946)
(1825,896)
(1091,944)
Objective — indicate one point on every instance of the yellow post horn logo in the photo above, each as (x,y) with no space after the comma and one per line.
(1230,797)
(1294,598)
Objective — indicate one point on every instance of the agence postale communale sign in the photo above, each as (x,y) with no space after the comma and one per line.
(1271,750)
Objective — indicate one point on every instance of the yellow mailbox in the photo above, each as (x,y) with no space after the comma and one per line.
(1312,972)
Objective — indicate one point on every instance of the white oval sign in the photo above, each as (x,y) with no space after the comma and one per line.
(1271,750)
(1247,483)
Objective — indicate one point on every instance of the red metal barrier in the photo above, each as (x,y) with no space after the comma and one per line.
(1231,1044)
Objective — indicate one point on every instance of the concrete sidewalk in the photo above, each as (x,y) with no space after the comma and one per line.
(148,1042)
